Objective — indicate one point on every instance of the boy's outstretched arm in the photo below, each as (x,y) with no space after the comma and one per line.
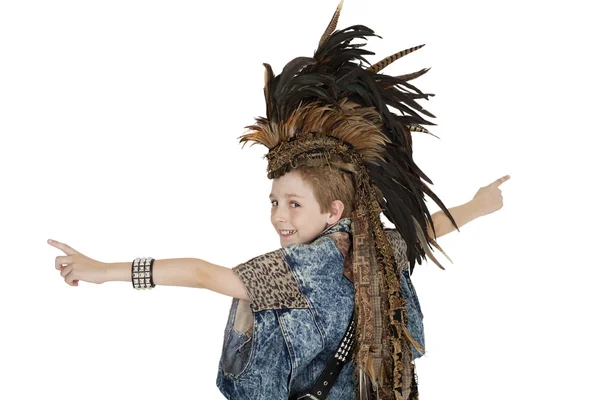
(186,272)
(462,214)
(487,200)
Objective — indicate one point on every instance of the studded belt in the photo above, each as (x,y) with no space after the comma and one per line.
(329,375)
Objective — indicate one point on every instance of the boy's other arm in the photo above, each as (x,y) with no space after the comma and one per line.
(487,200)
(462,214)
(186,272)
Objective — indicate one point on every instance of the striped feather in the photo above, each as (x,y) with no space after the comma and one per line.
(332,23)
(390,59)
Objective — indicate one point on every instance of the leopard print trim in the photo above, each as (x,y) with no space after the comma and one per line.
(270,283)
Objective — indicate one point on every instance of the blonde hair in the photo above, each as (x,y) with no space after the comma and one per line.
(330,184)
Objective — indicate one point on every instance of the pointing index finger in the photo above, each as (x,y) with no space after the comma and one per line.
(65,248)
(500,181)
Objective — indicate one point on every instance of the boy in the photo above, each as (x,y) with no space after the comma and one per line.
(338,157)
(297,205)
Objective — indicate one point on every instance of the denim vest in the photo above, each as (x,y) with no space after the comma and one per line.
(301,301)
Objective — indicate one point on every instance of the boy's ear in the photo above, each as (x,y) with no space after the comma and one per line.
(337,209)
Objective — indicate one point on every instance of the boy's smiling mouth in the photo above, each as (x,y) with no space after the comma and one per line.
(287,232)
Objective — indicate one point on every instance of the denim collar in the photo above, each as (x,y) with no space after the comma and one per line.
(343,225)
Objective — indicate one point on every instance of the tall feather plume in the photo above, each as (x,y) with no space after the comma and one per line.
(334,85)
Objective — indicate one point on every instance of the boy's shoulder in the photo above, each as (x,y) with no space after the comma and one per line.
(329,253)
(339,232)
(343,225)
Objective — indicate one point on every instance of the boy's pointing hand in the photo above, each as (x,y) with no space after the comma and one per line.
(75,266)
(489,198)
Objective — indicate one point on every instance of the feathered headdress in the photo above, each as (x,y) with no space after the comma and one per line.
(330,109)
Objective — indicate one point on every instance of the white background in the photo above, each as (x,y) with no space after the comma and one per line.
(119,123)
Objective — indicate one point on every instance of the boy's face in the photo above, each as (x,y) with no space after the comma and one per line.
(294,207)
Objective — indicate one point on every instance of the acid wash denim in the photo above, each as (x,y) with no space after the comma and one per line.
(301,302)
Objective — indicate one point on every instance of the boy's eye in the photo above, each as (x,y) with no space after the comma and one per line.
(293,202)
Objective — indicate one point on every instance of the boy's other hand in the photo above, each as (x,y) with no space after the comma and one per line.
(75,266)
(489,198)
